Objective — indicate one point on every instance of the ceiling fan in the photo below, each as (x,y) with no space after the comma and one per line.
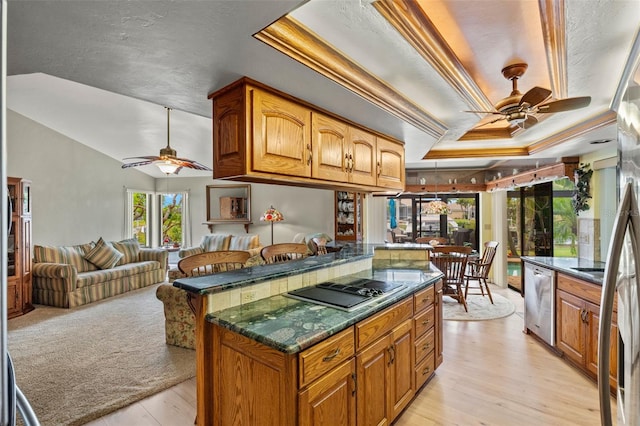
(167,161)
(519,109)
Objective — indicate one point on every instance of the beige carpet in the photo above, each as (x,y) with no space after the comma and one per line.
(480,308)
(75,365)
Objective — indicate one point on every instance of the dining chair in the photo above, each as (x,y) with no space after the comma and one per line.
(478,270)
(452,262)
(284,252)
(319,245)
(211,262)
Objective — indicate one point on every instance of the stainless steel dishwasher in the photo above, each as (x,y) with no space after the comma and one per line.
(539,302)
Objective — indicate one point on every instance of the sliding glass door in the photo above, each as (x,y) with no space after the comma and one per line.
(451,216)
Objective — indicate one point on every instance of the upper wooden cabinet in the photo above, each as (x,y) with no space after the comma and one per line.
(390,164)
(330,147)
(263,135)
(281,142)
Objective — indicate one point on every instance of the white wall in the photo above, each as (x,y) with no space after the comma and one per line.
(78,193)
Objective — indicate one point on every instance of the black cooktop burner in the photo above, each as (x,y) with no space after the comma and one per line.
(345,296)
(363,287)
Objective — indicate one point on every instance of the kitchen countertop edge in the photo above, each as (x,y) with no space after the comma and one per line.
(565,265)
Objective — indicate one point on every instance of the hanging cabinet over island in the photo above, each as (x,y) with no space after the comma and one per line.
(263,135)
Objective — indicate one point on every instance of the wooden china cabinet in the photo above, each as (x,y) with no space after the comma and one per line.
(19,248)
(349,216)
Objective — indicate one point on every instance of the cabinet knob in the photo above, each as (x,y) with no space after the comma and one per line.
(426,371)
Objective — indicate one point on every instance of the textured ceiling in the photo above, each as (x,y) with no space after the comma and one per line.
(100,72)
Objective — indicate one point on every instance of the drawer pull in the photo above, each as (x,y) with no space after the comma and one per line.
(425,300)
(425,322)
(426,346)
(332,356)
(426,371)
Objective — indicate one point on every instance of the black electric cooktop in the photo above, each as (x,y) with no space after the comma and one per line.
(347,296)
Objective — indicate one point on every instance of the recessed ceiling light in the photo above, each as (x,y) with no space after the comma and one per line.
(599,141)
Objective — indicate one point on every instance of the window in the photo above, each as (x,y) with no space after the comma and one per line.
(415,219)
(171,219)
(157,219)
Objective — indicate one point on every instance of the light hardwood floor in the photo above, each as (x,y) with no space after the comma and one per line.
(493,374)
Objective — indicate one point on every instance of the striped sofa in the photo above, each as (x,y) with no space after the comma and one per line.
(217,242)
(70,276)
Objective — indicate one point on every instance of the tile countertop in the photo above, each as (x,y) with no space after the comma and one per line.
(567,265)
(255,274)
(290,325)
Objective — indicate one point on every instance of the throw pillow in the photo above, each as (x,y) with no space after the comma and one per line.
(103,255)
(215,242)
(129,248)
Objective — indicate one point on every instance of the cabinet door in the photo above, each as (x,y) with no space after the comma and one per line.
(281,136)
(362,157)
(229,135)
(390,165)
(14,298)
(329,146)
(373,382)
(570,331)
(330,400)
(592,344)
(401,368)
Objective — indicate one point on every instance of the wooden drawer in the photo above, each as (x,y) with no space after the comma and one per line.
(583,289)
(423,298)
(424,370)
(424,345)
(371,329)
(424,321)
(324,356)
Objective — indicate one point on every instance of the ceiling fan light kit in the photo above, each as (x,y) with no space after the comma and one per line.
(167,161)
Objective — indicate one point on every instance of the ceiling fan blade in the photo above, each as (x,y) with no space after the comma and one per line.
(485,112)
(534,96)
(489,122)
(565,104)
(136,164)
(184,162)
(530,121)
(146,157)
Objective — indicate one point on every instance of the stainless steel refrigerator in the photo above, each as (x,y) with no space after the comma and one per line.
(622,270)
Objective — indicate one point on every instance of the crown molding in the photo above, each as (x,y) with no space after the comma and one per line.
(408,18)
(436,154)
(601,120)
(553,22)
(293,39)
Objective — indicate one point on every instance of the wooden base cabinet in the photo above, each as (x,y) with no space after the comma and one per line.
(364,375)
(577,322)
(385,377)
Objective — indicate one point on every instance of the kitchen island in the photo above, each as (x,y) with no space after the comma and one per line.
(279,360)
